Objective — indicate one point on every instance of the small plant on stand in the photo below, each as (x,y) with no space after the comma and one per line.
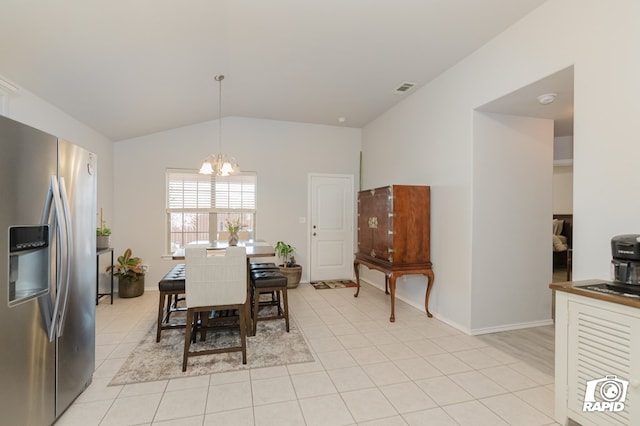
(130,273)
(289,267)
(103,234)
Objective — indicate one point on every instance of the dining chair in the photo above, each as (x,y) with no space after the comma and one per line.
(214,283)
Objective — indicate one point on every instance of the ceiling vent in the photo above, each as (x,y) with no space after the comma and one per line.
(405,87)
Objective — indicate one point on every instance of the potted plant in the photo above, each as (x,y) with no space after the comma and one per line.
(130,273)
(103,234)
(289,267)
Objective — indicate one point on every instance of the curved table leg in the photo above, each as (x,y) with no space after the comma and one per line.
(392,287)
(430,280)
(356,269)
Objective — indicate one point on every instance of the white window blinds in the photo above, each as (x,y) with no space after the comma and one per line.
(189,190)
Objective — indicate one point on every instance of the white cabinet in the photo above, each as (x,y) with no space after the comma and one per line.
(596,340)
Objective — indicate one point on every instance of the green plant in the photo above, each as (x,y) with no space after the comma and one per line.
(128,267)
(285,252)
(234,225)
(103,230)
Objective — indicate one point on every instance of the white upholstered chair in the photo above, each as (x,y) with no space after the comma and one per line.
(215,283)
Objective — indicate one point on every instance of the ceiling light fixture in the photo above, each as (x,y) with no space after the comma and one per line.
(219,164)
(547,98)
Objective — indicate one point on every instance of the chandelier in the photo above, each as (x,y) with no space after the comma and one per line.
(219,164)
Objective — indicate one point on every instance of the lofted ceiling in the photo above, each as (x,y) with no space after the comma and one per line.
(130,68)
(524,101)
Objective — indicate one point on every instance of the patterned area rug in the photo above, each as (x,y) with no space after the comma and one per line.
(271,346)
(322,285)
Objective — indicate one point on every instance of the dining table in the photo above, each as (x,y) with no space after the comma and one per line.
(254,248)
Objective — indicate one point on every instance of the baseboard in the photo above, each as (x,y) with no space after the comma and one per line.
(487,330)
(420,307)
(511,327)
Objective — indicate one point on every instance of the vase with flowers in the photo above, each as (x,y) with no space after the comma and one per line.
(233,227)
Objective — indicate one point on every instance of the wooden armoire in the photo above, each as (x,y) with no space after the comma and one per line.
(394,235)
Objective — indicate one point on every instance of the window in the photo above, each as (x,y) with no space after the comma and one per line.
(199,205)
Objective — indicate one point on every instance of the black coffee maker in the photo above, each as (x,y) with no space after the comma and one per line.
(625,265)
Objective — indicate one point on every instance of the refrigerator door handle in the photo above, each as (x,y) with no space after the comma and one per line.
(66,255)
(53,208)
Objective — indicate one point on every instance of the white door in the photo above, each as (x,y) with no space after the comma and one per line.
(332,206)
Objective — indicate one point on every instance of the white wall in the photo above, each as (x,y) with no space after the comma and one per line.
(563,189)
(282,154)
(28,108)
(430,137)
(511,220)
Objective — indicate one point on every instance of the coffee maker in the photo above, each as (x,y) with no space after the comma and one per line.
(625,265)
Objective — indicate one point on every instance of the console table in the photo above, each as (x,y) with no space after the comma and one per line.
(100,252)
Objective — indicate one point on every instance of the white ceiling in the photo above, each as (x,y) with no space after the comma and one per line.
(128,68)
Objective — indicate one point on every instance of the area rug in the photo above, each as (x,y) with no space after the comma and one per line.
(271,346)
(322,285)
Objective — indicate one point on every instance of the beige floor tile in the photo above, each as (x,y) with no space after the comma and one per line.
(144,388)
(269,372)
(188,383)
(476,359)
(353,341)
(85,414)
(342,329)
(99,390)
(368,404)
(269,391)
(230,377)
(417,368)
(477,384)
(336,359)
(443,390)
(280,414)
(305,367)
(448,363)
(132,410)
(350,378)
(407,397)
(473,413)
(425,347)
(328,410)
(385,373)
(430,417)
(241,417)
(325,344)
(387,421)
(409,360)
(183,421)
(313,384)
(368,355)
(182,403)
(508,378)
(396,351)
(540,398)
(381,338)
(515,411)
(229,396)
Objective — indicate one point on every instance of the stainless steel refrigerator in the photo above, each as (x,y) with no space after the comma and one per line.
(47,273)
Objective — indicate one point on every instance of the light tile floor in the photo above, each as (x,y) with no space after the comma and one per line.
(367,371)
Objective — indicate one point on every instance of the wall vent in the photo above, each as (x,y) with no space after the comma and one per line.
(405,87)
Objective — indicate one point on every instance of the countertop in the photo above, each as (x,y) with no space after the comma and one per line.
(574,288)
